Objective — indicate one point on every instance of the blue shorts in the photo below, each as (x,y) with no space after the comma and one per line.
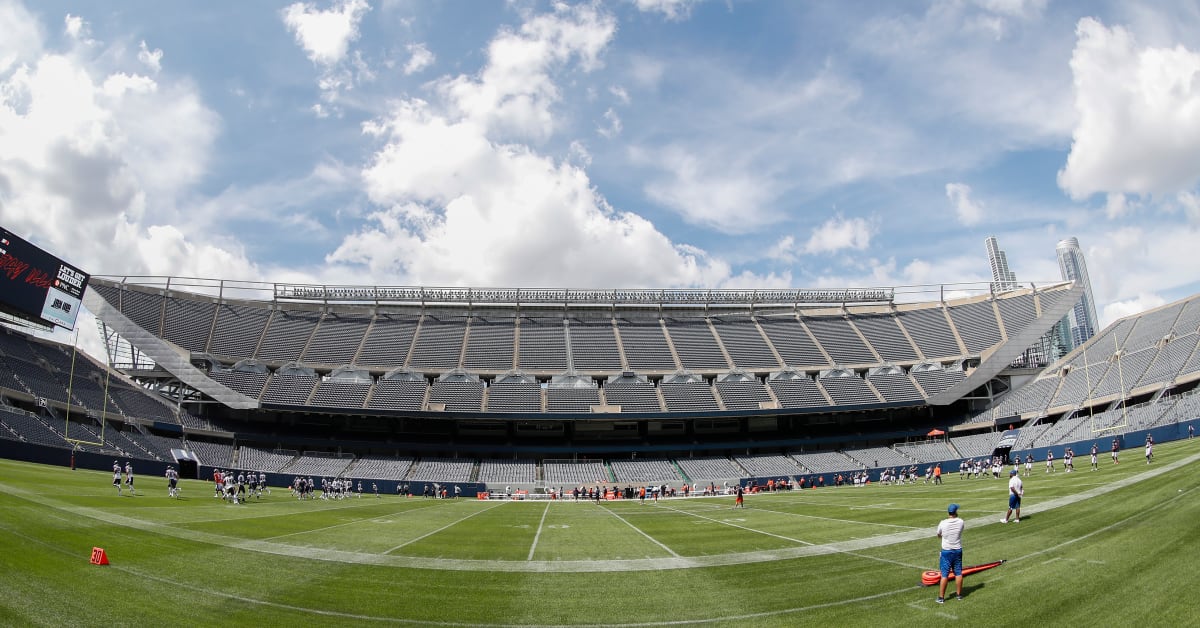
(951,562)
(1014,502)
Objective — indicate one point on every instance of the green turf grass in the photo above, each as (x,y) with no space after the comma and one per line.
(1115,557)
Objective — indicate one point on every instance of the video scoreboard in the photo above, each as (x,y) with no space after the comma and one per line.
(37,286)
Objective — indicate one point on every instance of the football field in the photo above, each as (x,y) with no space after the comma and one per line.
(1115,546)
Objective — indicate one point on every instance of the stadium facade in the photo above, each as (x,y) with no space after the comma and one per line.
(542,386)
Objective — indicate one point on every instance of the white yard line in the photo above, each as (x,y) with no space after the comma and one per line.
(641,532)
(445,527)
(539,531)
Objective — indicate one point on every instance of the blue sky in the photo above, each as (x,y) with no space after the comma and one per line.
(647,143)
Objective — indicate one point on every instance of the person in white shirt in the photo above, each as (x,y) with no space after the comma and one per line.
(1016,490)
(950,532)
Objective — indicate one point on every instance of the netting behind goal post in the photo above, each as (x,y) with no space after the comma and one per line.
(77,442)
(1117,426)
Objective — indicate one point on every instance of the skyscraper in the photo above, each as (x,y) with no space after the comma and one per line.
(1082,318)
(1003,279)
(1053,344)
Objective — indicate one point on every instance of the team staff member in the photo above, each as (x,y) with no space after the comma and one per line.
(950,532)
(1016,490)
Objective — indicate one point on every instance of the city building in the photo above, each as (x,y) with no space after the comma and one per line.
(1082,320)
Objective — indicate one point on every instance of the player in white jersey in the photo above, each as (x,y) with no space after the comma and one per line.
(1069,460)
(262,483)
(172,482)
(117,476)
(1149,449)
(1095,452)
(1049,461)
(129,477)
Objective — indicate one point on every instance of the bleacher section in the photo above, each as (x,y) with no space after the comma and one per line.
(508,471)
(429,469)
(644,470)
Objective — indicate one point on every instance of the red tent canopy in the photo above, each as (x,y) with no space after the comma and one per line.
(936,432)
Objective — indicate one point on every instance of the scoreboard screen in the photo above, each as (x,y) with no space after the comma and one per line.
(37,286)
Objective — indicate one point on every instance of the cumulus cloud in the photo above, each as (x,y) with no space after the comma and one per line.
(839,233)
(151,58)
(94,154)
(1139,126)
(419,58)
(325,35)
(514,94)
(968,211)
(459,205)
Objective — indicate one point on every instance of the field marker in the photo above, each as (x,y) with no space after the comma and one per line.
(539,531)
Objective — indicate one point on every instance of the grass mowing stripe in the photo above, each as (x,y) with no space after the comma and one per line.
(642,532)
(734,525)
(445,527)
(536,536)
(799,514)
(1110,526)
(400,512)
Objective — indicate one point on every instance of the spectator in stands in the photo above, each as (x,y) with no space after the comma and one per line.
(950,532)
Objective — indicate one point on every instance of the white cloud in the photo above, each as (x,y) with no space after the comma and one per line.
(151,58)
(710,188)
(325,35)
(839,233)
(93,154)
(74,26)
(968,211)
(612,128)
(1139,116)
(1129,263)
(514,93)
(620,93)
(460,206)
(671,9)
(419,58)
(1129,307)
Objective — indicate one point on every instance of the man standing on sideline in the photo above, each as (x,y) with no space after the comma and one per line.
(1016,490)
(950,532)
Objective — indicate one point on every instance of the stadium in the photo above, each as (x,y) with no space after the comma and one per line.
(517,397)
(651,314)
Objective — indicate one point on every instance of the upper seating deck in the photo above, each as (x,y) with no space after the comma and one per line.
(916,342)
